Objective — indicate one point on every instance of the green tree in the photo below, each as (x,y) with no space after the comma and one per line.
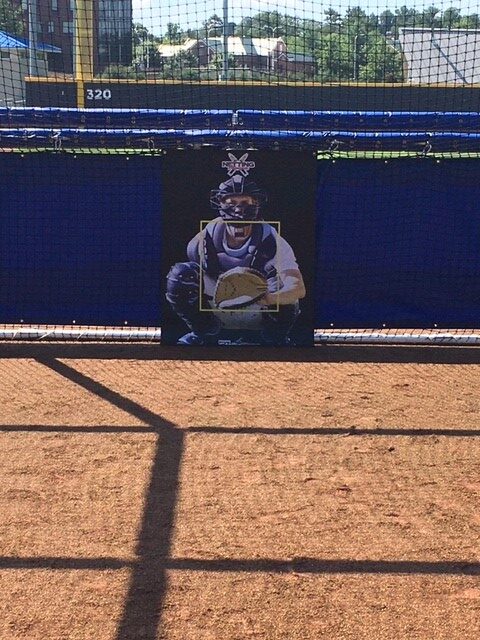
(386,22)
(406,17)
(120,71)
(430,17)
(145,47)
(212,27)
(264,24)
(380,61)
(471,21)
(451,18)
(334,58)
(11,18)
(174,34)
(141,35)
(332,18)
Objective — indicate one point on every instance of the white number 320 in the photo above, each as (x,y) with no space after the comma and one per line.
(99,94)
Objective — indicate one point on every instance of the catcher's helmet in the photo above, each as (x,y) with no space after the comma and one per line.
(223,199)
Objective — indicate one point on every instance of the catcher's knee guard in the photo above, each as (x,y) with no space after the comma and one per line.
(183,284)
(183,292)
(277,325)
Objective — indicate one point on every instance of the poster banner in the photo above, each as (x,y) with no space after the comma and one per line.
(238,248)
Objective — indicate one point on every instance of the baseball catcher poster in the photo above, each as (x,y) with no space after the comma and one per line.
(238,249)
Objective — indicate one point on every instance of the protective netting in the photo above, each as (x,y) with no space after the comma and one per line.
(135,79)
(258,72)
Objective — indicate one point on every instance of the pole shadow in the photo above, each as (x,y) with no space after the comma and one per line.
(147,587)
(242,565)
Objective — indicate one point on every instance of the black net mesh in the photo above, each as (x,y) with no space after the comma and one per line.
(159,73)
(133,78)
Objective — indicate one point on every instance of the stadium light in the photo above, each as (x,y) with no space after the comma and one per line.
(272,29)
(32,37)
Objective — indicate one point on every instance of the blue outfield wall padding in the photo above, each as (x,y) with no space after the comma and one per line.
(398,244)
(242,118)
(113,118)
(444,140)
(360,120)
(80,239)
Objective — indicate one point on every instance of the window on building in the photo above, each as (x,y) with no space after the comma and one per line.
(54,5)
(67,26)
(51,27)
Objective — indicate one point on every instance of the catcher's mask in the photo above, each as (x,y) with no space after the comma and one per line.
(238,199)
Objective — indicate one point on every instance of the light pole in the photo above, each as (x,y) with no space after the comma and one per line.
(436,15)
(224,75)
(212,26)
(272,29)
(355,55)
(271,58)
(226,27)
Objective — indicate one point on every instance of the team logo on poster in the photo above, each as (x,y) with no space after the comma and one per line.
(237,279)
(238,165)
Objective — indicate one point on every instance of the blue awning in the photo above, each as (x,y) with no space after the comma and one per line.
(8,41)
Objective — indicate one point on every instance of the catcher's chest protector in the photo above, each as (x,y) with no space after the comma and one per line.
(261,249)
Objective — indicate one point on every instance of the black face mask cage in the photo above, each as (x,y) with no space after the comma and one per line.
(235,212)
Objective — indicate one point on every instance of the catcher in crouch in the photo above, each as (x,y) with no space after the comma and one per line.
(244,265)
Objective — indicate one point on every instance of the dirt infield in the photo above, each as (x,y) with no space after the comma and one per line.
(150,493)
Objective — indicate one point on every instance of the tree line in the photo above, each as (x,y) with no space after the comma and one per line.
(355,45)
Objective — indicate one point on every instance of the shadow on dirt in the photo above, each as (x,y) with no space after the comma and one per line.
(148,584)
(143,606)
(322,353)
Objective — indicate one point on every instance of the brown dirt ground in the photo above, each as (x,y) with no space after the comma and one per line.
(149,493)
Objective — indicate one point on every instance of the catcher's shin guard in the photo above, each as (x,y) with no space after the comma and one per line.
(276,326)
(183,291)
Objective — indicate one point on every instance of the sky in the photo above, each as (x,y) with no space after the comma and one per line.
(192,13)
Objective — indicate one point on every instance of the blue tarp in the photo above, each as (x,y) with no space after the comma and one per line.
(80,239)
(115,118)
(398,244)
(8,41)
(260,120)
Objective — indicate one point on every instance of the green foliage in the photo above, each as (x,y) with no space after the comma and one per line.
(183,66)
(379,61)
(334,58)
(120,71)
(174,34)
(11,19)
(353,46)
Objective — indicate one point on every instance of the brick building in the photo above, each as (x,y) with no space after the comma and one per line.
(268,55)
(112,31)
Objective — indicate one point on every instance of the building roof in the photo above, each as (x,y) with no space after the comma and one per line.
(299,57)
(441,55)
(170,50)
(7,41)
(245,46)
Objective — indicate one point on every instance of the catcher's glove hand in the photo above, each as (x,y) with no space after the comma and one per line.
(238,288)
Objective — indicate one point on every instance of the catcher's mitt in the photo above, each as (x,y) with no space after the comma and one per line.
(238,288)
